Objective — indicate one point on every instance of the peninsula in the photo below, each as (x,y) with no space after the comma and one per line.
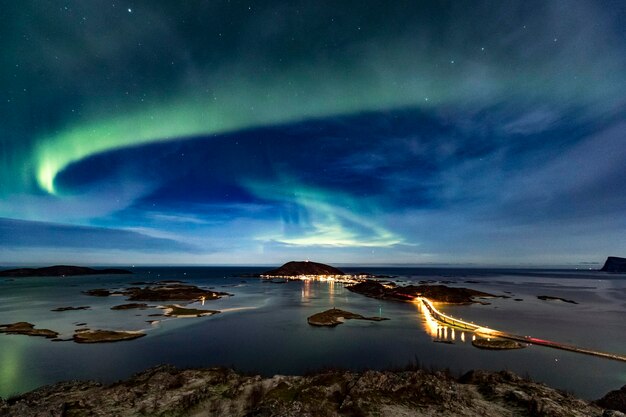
(614,264)
(60,271)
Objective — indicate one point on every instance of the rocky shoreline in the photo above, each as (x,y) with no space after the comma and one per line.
(166,390)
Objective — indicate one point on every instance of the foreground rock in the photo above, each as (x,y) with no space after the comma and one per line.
(614,400)
(614,264)
(335,316)
(165,391)
(437,293)
(294,268)
(27,329)
(60,271)
(105,336)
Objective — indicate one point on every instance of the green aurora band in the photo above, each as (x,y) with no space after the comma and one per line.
(239,104)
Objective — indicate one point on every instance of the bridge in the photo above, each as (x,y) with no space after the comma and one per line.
(464,325)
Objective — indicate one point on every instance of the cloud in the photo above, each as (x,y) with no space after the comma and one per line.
(30,234)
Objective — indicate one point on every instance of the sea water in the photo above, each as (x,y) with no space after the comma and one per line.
(262,327)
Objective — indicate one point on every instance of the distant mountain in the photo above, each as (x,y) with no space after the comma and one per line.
(614,264)
(60,270)
(295,268)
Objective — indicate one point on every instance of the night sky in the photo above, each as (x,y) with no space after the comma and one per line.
(243,132)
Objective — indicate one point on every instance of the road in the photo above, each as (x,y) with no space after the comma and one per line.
(482,330)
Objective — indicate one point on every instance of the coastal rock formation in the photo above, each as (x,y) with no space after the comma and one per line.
(614,264)
(614,400)
(27,329)
(335,316)
(295,268)
(168,391)
(437,293)
(60,271)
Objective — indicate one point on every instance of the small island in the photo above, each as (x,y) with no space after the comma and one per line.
(298,268)
(614,264)
(70,308)
(105,336)
(552,298)
(130,306)
(60,271)
(27,329)
(496,344)
(335,316)
(179,311)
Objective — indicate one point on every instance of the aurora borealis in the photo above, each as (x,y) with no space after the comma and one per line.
(220,132)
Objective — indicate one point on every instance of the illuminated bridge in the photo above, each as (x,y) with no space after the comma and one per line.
(481,330)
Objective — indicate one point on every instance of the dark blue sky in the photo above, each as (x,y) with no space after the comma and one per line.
(258,132)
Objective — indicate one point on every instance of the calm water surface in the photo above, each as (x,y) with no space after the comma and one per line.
(263,328)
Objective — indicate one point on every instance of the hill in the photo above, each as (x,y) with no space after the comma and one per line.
(295,268)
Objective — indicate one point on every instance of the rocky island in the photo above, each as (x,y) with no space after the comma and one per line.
(614,264)
(436,293)
(297,268)
(552,298)
(60,271)
(335,316)
(167,391)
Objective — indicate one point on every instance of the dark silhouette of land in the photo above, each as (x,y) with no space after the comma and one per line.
(60,271)
(614,264)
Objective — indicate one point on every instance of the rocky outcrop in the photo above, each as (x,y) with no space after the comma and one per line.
(294,268)
(614,400)
(220,392)
(614,264)
(437,293)
(60,271)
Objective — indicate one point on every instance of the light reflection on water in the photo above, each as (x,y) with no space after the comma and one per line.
(263,329)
